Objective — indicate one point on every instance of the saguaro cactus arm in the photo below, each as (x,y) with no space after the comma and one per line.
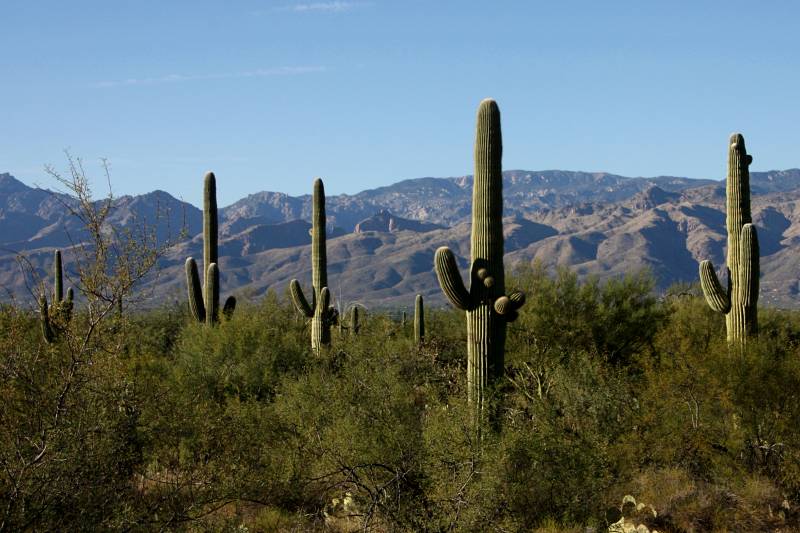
(299,299)
(419,319)
(58,277)
(229,307)
(718,298)
(749,271)
(450,279)
(332,316)
(47,329)
(65,308)
(212,294)
(355,327)
(196,305)
(324,298)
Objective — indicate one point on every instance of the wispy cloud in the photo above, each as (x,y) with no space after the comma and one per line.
(177,78)
(336,6)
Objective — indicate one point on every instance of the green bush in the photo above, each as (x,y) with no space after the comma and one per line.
(609,391)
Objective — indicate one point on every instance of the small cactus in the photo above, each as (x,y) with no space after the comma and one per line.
(55,316)
(320,311)
(739,301)
(419,320)
(487,307)
(204,300)
(355,326)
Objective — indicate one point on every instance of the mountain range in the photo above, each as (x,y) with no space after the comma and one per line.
(381,241)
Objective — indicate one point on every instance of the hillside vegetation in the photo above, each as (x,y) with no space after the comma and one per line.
(154,421)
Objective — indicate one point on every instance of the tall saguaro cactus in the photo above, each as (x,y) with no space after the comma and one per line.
(321,313)
(739,302)
(204,301)
(487,307)
(55,316)
(419,320)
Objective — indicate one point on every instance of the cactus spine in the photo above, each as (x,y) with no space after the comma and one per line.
(419,320)
(320,312)
(487,308)
(739,301)
(55,317)
(204,301)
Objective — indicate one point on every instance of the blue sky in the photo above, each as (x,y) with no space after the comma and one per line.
(269,94)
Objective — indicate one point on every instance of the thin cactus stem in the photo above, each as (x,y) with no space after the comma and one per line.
(319,258)
(355,326)
(210,255)
(209,220)
(419,320)
(58,275)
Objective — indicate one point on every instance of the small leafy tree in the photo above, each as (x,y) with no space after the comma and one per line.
(68,441)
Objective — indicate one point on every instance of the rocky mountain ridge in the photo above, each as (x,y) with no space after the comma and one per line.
(381,241)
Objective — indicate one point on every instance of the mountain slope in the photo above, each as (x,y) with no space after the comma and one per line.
(381,242)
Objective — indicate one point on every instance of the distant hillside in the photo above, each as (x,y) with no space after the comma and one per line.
(381,241)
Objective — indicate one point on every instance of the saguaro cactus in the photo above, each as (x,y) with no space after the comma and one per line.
(355,326)
(204,301)
(739,301)
(55,317)
(321,313)
(419,320)
(487,307)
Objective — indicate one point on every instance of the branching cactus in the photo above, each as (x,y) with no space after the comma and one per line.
(487,307)
(55,317)
(204,301)
(739,301)
(321,313)
(419,320)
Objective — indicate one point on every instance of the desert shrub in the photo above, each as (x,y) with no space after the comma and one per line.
(69,441)
(612,319)
(566,417)
(608,392)
(154,332)
(354,419)
(243,357)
